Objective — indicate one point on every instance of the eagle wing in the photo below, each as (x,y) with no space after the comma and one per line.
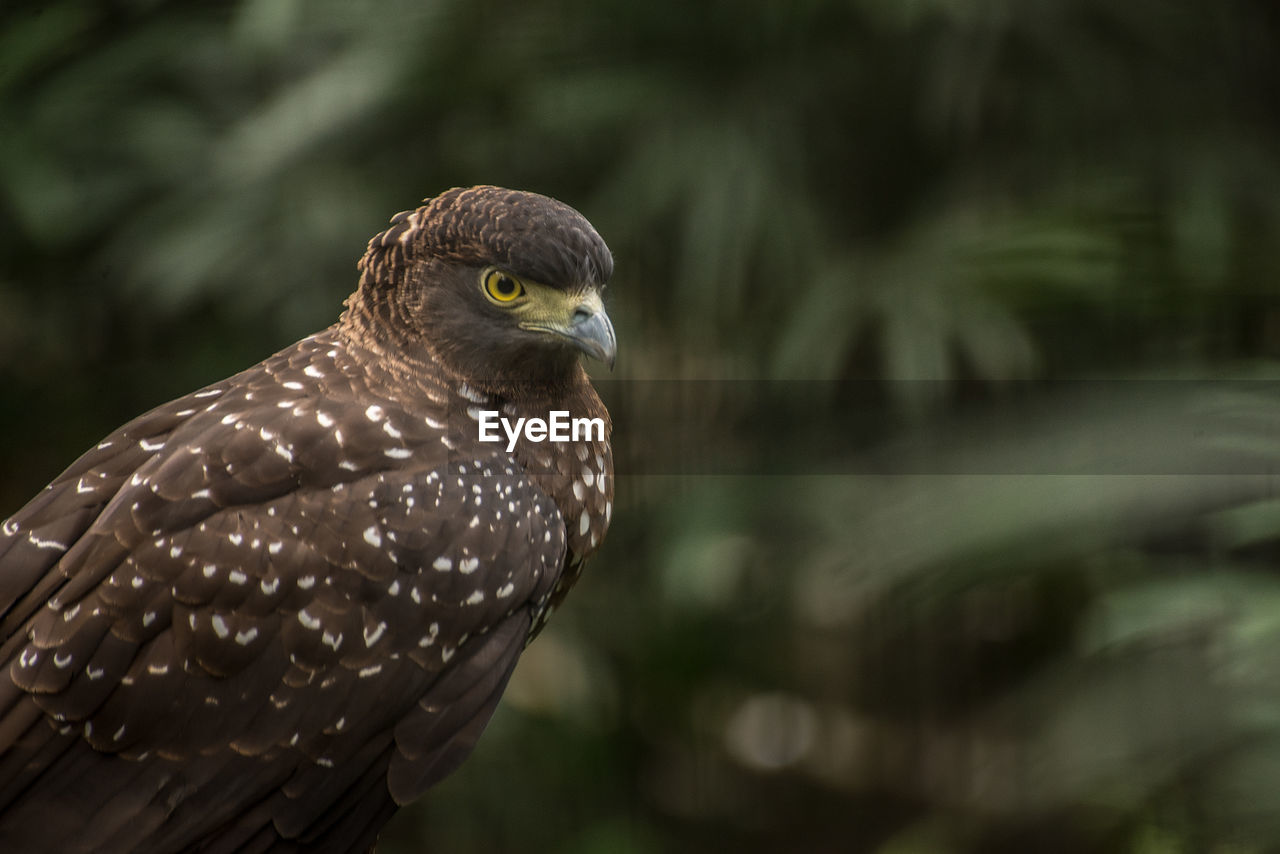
(279,587)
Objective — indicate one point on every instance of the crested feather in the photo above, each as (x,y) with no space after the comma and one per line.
(264,615)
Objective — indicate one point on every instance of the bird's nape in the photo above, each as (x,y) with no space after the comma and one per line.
(503,287)
(262,616)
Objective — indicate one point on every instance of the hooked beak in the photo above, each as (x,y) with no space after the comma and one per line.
(592,332)
(588,328)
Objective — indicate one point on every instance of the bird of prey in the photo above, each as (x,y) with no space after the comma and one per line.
(267,614)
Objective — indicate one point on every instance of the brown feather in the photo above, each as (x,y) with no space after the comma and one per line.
(264,615)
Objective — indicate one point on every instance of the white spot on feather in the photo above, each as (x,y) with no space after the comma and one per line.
(307,620)
(471,394)
(370,638)
(442,563)
(468,565)
(45,544)
(372,537)
(220,627)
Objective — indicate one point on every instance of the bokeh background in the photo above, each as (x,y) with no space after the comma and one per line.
(945,409)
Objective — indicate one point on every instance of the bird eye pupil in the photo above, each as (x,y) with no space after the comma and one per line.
(502,288)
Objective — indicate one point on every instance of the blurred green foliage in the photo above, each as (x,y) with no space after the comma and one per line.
(1046,622)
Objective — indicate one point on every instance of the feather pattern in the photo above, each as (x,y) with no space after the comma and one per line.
(262,616)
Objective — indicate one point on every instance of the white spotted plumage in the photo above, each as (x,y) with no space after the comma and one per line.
(255,551)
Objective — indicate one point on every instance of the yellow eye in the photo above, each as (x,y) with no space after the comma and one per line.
(502,287)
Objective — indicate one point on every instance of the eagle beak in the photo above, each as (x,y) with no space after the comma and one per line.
(579,320)
(592,332)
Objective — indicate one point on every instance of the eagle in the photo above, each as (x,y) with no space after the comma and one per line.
(264,616)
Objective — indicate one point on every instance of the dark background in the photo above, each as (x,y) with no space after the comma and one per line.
(938,526)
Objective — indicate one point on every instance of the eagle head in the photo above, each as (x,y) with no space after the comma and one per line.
(502,287)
